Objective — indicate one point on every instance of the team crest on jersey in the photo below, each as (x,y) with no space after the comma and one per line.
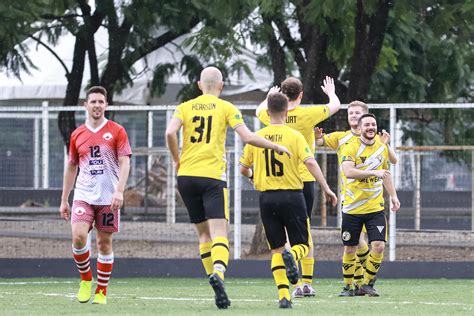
(237,116)
(79,211)
(346,236)
(107,136)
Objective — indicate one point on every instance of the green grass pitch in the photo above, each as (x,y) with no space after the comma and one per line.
(149,296)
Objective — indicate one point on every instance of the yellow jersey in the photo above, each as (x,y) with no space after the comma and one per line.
(205,120)
(302,119)
(363,196)
(273,171)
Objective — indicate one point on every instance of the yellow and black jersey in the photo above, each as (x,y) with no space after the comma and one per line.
(273,171)
(302,119)
(363,196)
(205,120)
(337,141)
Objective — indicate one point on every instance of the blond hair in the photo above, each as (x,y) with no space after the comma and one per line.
(359,103)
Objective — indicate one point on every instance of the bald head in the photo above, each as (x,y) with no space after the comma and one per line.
(211,80)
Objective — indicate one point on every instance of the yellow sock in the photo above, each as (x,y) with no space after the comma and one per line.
(348,267)
(299,251)
(206,258)
(362,254)
(307,268)
(220,255)
(279,274)
(372,266)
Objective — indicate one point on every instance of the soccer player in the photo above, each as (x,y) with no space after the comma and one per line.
(365,166)
(303,119)
(337,141)
(282,204)
(101,150)
(201,170)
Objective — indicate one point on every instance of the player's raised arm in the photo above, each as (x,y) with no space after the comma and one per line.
(318,136)
(263,106)
(329,89)
(385,138)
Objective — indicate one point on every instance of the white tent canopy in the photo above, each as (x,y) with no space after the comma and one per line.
(48,81)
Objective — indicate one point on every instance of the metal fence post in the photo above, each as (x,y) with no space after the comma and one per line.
(237,199)
(418,191)
(45,144)
(393,217)
(170,183)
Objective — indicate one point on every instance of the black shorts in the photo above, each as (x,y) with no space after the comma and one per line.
(284,209)
(375,223)
(308,192)
(205,198)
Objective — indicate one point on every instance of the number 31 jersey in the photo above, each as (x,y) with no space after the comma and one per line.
(205,120)
(96,151)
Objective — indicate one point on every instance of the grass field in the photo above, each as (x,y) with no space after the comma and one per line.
(248,296)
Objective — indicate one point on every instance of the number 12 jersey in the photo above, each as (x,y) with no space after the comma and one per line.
(96,151)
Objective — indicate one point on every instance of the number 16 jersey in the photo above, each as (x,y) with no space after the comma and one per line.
(205,120)
(273,171)
(96,151)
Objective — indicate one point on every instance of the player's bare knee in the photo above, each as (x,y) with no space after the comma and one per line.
(79,241)
(278,250)
(378,246)
(350,249)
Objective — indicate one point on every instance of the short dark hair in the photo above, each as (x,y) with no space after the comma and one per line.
(364,116)
(277,102)
(96,89)
(292,87)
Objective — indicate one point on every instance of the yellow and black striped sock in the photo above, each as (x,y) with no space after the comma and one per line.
(307,269)
(220,255)
(358,273)
(348,267)
(362,254)
(279,274)
(299,251)
(206,258)
(372,266)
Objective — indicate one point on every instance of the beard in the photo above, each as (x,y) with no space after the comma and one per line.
(369,137)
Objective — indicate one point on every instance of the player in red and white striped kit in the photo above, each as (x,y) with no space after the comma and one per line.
(101,150)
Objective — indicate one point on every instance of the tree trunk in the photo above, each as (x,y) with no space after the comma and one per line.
(259,241)
(369,36)
(66,120)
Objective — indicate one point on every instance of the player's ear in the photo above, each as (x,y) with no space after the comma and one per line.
(199,85)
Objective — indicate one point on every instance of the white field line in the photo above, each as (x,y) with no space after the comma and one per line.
(367,301)
(37,282)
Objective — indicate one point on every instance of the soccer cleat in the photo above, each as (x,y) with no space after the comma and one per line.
(358,291)
(222,301)
(297,292)
(346,291)
(372,281)
(84,294)
(370,291)
(100,298)
(290,266)
(308,290)
(284,303)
